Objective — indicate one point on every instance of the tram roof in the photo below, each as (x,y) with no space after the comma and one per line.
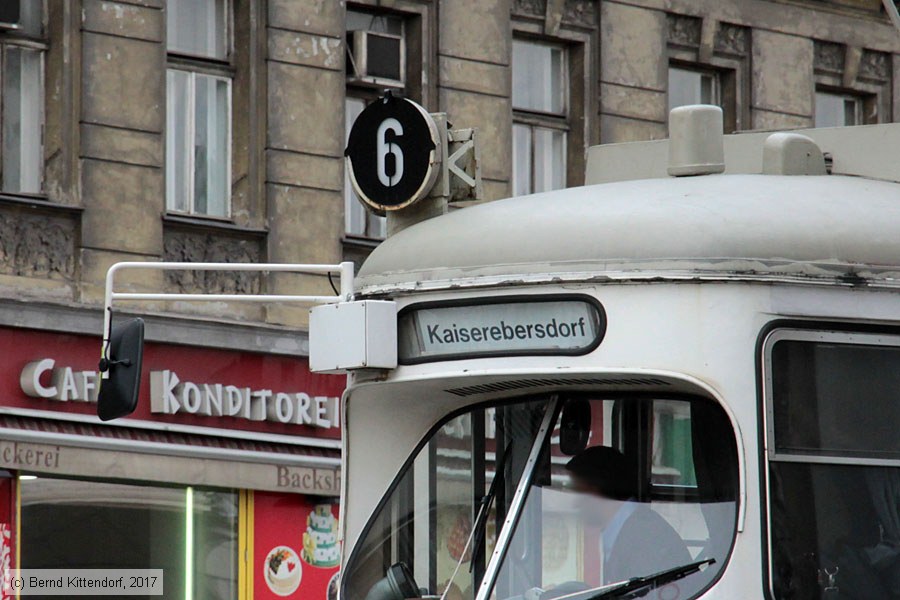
(827,229)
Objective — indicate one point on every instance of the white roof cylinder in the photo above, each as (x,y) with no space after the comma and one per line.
(696,141)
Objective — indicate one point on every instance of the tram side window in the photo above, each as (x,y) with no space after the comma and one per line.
(622,488)
(834,467)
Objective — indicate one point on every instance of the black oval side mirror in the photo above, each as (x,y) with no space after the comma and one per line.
(118,395)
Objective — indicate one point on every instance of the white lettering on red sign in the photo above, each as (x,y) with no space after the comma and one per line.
(170,395)
(66,384)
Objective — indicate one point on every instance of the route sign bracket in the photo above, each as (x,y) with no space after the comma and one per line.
(459,177)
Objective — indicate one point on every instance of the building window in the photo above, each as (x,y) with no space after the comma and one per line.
(540,120)
(358,220)
(838,110)
(691,86)
(198,108)
(376,49)
(376,60)
(22,49)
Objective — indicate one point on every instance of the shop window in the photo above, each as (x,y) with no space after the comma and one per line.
(22,50)
(838,110)
(198,108)
(191,534)
(669,509)
(834,464)
(540,118)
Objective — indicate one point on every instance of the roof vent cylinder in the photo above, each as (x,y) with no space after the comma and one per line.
(792,154)
(696,142)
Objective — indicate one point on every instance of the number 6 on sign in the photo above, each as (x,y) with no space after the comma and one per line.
(393,153)
(386,148)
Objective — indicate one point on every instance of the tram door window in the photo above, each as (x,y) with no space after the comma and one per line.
(834,466)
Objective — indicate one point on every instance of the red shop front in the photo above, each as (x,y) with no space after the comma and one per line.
(227,476)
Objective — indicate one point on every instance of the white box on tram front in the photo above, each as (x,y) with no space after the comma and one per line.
(353,335)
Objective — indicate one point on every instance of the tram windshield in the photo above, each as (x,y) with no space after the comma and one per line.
(545,497)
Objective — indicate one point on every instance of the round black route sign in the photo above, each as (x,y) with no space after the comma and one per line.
(393,153)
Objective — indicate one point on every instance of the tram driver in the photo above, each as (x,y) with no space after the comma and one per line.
(635,540)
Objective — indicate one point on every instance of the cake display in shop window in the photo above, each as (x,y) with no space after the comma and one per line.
(320,545)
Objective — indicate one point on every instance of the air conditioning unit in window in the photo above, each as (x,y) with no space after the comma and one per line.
(10,14)
(375,58)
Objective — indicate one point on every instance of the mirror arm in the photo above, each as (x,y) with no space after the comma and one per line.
(345,292)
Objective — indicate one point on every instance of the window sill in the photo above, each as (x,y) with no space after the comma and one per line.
(38,201)
(362,242)
(211,224)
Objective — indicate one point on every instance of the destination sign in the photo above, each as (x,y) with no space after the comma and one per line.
(567,326)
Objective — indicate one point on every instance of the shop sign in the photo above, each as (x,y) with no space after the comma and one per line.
(308,480)
(17,455)
(170,395)
(190,389)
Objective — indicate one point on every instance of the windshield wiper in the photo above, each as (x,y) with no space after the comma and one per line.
(650,582)
(481,521)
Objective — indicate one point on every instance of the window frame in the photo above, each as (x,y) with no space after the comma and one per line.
(844,75)
(41,44)
(703,71)
(790,330)
(191,130)
(725,88)
(367,237)
(553,406)
(228,59)
(865,103)
(731,65)
(355,80)
(537,119)
(413,18)
(815,335)
(215,68)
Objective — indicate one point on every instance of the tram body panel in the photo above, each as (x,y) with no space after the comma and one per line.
(703,336)
(721,226)
(708,284)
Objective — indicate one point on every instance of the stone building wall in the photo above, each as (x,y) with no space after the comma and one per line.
(104,141)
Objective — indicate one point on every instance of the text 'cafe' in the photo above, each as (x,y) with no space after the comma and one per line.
(227,475)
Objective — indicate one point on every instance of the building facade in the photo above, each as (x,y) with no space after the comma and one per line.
(214,130)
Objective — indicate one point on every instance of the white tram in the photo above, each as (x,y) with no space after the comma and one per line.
(613,381)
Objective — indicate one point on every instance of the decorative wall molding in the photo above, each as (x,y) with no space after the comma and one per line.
(875,65)
(732,39)
(199,246)
(574,12)
(684,30)
(829,57)
(37,244)
(581,12)
(534,8)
